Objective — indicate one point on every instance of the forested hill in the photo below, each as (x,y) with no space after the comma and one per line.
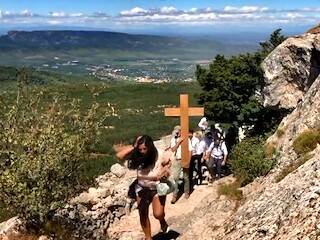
(84,39)
(33,40)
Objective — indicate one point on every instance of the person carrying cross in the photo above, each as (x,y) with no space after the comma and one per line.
(175,146)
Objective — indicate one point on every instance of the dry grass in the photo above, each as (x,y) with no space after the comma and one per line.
(314,30)
(280,132)
(20,237)
(231,191)
(306,141)
(270,149)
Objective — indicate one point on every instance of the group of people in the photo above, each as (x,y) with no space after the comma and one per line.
(207,148)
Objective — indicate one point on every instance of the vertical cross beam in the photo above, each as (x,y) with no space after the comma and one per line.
(184,112)
(184,120)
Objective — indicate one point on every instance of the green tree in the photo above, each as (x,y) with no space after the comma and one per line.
(231,87)
(275,39)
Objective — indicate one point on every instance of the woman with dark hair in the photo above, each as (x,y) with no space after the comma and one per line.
(144,157)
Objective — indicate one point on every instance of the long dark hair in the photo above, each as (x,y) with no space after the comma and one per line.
(139,160)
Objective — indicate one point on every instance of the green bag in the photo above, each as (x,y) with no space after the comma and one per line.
(165,187)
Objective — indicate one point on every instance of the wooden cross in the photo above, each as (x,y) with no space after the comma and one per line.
(184,112)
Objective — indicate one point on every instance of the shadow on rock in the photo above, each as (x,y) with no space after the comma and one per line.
(167,236)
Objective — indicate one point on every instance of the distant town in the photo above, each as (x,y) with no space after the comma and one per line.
(141,71)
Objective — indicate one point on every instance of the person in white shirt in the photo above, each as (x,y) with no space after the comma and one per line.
(175,146)
(199,148)
(216,156)
(203,124)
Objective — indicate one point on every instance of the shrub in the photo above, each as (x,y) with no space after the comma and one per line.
(248,160)
(306,141)
(42,149)
(280,132)
(231,190)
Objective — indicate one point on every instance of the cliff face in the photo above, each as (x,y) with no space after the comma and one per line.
(286,207)
(290,70)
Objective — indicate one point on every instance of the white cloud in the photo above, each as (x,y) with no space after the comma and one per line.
(57,14)
(293,15)
(134,11)
(26,13)
(166,9)
(168,15)
(54,22)
(245,9)
(194,9)
(76,15)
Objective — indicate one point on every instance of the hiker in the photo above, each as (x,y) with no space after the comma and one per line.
(203,124)
(199,148)
(175,146)
(217,129)
(216,157)
(150,169)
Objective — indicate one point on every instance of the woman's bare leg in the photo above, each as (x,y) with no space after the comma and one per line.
(158,206)
(144,218)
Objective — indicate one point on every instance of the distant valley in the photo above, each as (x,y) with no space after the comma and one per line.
(112,55)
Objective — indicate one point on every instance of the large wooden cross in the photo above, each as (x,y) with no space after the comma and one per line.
(184,112)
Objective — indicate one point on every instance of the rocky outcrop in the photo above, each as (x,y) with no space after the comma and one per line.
(290,70)
(314,30)
(90,214)
(9,227)
(286,210)
(305,117)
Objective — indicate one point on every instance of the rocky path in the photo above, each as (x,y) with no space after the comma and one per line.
(185,217)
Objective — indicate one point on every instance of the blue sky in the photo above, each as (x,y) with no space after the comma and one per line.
(153,15)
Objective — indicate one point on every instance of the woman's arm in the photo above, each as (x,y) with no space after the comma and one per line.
(153,177)
(175,146)
(125,151)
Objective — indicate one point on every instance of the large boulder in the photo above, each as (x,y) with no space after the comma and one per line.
(118,170)
(290,70)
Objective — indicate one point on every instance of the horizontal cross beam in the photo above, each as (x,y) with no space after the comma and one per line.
(175,112)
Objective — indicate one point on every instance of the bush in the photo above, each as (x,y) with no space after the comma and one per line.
(42,149)
(231,191)
(249,160)
(306,141)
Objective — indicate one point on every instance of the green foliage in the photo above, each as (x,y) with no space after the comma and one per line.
(132,115)
(275,39)
(7,73)
(249,160)
(42,150)
(231,190)
(228,89)
(231,88)
(306,141)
